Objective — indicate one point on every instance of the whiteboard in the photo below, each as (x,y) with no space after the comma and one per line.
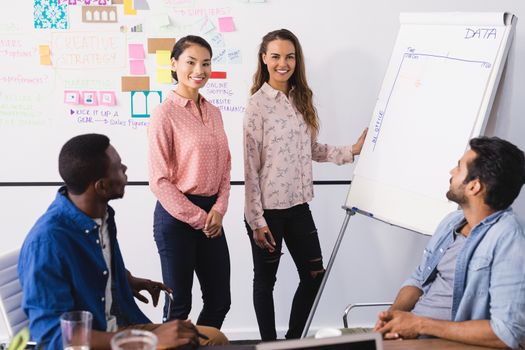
(436,95)
(69,67)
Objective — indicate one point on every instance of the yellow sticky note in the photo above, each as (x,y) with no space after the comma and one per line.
(45,60)
(43,50)
(163,76)
(163,57)
(128,8)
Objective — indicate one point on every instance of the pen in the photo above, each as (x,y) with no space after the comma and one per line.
(203,336)
(170,300)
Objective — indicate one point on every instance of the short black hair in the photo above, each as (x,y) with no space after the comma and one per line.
(83,160)
(500,166)
(185,42)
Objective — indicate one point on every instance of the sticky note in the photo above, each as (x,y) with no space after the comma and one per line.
(140,5)
(160,20)
(45,60)
(226,24)
(155,44)
(204,25)
(43,50)
(89,98)
(134,83)
(216,39)
(136,51)
(234,56)
(137,67)
(164,76)
(218,75)
(163,57)
(219,56)
(72,97)
(128,8)
(108,98)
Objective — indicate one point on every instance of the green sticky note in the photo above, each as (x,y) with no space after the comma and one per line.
(163,57)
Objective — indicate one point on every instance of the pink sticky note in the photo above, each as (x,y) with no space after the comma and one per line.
(108,98)
(136,51)
(136,67)
(226,24)
(72,97)
(89,98)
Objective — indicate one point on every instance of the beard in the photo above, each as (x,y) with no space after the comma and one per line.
(117,193)
(457,196)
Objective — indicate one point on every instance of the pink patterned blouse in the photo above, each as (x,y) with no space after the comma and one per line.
(188,154)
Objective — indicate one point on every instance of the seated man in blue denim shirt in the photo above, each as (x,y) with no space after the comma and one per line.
(71,259)
(470,284)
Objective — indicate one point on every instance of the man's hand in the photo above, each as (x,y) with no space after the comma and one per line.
(154,288)
(175,334)
(264,239)
(398,324)
(381,321)
(213,226)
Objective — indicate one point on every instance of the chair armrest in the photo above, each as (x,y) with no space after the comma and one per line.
(170,301)
(358,305)
(30,345)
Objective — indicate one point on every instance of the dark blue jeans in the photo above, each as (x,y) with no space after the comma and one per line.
(183,251)
(296,226)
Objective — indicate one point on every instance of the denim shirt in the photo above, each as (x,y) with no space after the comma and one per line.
(489,282)
(61,268)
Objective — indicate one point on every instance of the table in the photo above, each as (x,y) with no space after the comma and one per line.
(428,344)
(411,344)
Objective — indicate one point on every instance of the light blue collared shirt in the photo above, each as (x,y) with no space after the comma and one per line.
(489,283)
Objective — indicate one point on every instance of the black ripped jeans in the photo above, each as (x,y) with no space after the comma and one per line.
(296,226)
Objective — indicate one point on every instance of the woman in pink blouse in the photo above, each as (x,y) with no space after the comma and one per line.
(280,142)
(189,173)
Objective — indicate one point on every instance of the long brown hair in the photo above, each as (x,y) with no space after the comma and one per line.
(301,94)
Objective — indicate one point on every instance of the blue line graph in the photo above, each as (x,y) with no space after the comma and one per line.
(413,55)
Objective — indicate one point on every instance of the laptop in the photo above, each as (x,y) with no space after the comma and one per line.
(362,341)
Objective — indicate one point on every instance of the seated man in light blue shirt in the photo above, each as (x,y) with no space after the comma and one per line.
(470,284)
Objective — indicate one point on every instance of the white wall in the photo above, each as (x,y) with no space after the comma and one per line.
(374,257)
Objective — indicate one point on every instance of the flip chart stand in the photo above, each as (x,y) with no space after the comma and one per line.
(349,213)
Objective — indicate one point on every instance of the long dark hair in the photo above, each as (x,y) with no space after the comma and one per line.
(301,94)
(185,42)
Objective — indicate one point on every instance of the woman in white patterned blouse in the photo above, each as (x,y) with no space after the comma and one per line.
(280,142)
